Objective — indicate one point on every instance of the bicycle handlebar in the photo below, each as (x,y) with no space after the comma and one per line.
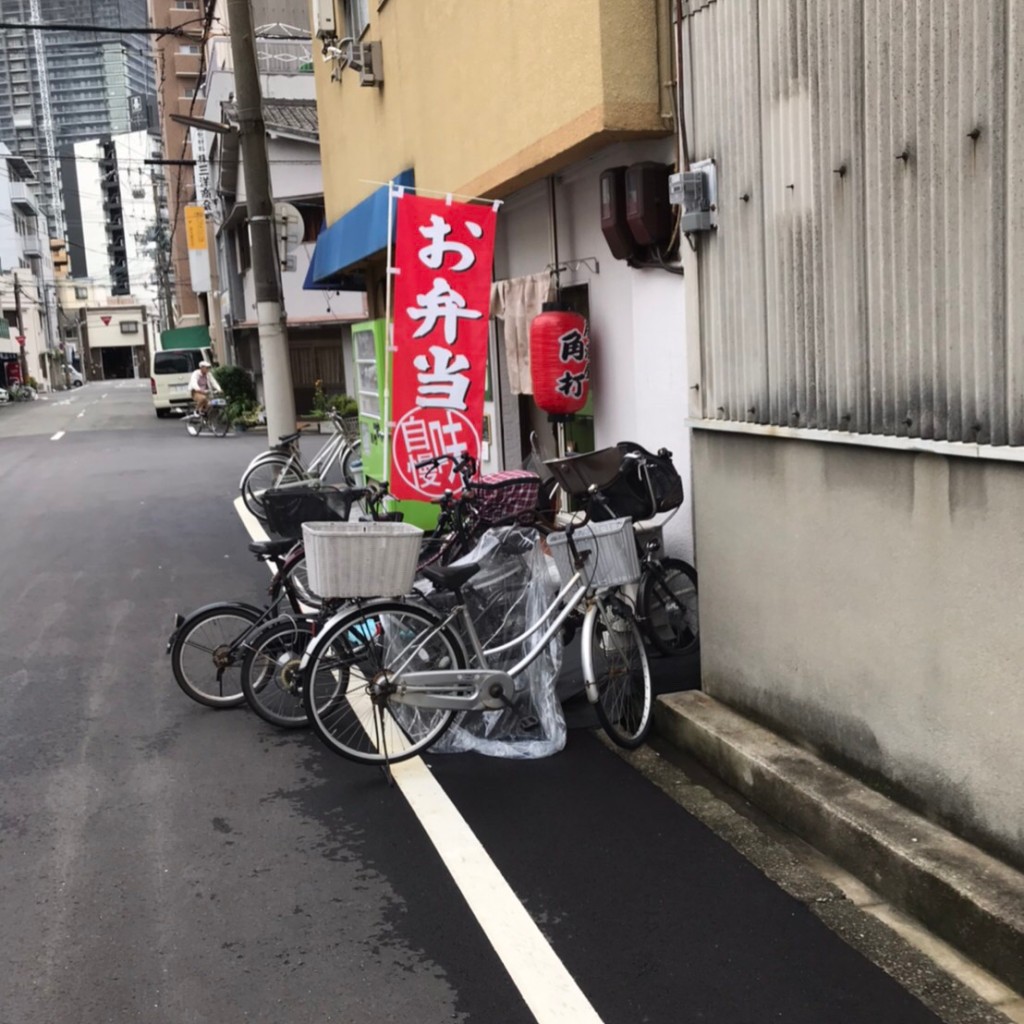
(464,465)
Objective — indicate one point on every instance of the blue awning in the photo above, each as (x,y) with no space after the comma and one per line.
(351,239)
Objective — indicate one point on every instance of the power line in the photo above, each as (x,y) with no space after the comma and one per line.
(113,30)
(166,30)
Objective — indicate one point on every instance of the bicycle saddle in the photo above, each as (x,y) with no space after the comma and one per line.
(286,439)
(450,577)
(271,548)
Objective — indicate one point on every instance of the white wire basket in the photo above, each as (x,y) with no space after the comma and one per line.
(361,559)
(613,561)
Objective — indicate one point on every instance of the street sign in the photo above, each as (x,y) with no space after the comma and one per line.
(20,339)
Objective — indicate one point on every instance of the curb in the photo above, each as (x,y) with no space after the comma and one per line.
(965,896)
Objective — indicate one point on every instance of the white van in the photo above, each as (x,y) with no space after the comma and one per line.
(170,375)
(75,379)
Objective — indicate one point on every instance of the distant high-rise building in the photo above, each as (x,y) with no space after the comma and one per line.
(65,86)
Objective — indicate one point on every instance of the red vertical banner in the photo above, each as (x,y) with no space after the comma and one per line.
(442,300)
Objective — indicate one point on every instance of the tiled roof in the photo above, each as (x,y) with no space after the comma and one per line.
(295,118)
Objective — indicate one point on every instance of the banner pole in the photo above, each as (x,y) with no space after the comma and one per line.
(388,343)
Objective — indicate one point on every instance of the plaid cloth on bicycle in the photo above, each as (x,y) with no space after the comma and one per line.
(499,497)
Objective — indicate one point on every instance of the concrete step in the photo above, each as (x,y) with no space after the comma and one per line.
(962,894)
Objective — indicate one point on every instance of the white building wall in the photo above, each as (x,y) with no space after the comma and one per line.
(638,353)
(90,199)
(9,248)
(138,203)
(138,211)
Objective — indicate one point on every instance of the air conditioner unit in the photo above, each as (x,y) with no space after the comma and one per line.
(324,20)
(368,60)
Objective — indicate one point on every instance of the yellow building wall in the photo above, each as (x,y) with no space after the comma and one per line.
(481,97)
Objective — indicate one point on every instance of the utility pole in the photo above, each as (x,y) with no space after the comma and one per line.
(277,373)
(21,327)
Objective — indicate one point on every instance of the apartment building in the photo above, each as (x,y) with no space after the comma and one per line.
(29,342)
(57,88)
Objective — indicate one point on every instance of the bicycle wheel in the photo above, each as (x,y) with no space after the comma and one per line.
(262,477)
(355,691)
(271,680)
(219,422)
(618,663)
(298,574)
(351,465)
(207,654)
(668,598)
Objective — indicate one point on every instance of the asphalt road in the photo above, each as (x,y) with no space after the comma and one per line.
(163,862)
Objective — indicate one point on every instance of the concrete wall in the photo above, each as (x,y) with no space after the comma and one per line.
(868,603)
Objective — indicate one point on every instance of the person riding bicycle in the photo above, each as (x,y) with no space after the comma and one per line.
(202,385)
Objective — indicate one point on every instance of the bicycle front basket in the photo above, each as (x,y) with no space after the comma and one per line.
(613,559)
(288,508)
(361,559)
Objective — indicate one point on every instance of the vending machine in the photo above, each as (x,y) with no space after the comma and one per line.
(373,386)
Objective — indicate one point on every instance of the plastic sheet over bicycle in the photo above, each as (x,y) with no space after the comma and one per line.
(512,589)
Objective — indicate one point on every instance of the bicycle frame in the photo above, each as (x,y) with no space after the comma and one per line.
(336,447)
(486,688)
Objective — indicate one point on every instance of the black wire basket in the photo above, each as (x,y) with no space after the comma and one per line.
(287,508)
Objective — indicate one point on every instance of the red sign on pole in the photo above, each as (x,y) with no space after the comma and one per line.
(20,339)
(13,373)
(443,255)
(106,320)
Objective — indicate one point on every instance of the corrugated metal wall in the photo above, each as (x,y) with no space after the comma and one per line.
(866,271)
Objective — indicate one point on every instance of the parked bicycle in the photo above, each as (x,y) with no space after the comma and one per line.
(634,482)
(208,646)
(384,679)
(213,418)
(282,466)
(270,679)
(483,502)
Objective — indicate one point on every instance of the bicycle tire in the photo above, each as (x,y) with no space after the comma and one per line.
(618,661)
(351,465)
(271,680)
(668,597)
(262,477)
(204,660)
(220,425)
(298,575)
(364,646)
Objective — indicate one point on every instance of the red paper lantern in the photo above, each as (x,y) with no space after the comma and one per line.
(559,361)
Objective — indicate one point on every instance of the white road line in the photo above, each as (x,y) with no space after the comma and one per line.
(81,414)
(58,435)
(548,989)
